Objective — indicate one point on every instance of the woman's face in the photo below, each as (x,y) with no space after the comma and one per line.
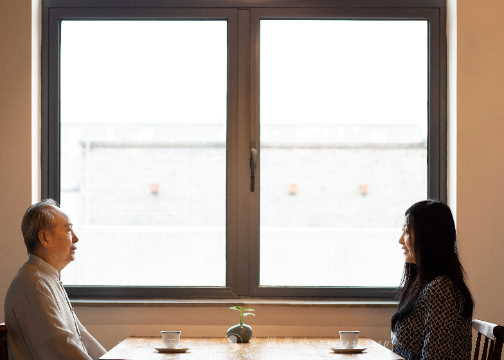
(406,241)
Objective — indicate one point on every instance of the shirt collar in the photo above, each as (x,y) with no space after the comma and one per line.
(44,266)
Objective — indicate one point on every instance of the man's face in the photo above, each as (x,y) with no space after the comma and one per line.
(61,241)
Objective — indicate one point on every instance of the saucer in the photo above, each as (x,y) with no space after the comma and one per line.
(171,350)
(341,350)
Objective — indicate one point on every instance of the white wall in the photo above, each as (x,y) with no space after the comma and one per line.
(15,134)
(480,164)
(110,325)
(480,197)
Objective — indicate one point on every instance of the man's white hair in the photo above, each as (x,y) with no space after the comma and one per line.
(38,217)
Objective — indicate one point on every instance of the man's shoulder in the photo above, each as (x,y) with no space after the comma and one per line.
(29,278)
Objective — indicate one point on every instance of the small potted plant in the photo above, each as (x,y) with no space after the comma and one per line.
(241,332)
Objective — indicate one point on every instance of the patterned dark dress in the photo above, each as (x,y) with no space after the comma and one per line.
(435,328)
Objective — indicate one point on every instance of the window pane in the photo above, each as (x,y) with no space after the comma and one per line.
(143,151)
(343,126)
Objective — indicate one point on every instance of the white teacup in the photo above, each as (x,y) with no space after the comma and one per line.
(349,339)
(171,339)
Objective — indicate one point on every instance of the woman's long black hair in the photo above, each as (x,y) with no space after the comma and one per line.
(435,250)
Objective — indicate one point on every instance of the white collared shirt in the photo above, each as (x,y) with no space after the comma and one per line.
(40,320)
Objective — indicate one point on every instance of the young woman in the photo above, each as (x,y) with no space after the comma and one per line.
(433,320)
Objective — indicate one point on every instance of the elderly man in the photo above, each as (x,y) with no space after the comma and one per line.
(41,321)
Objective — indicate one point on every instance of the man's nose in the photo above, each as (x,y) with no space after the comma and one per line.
(74,237)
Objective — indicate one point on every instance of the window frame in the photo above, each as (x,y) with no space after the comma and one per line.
(435,182)
(242,206)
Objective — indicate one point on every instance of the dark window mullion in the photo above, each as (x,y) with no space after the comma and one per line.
(232,162)
(242,263)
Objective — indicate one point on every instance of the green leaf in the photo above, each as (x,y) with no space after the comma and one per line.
(236,308)
(245,314)
(249,309)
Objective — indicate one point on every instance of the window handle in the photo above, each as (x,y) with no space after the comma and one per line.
(253,163)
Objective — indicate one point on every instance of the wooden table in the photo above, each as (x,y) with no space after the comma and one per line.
(142,348)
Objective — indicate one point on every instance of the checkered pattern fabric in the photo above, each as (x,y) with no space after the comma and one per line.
(435,328)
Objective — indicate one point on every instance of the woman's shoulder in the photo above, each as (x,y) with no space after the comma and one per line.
(441,289)
(442,282)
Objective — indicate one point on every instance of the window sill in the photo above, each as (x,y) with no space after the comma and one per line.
(240,302)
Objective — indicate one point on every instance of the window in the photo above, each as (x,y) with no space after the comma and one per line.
(238,149)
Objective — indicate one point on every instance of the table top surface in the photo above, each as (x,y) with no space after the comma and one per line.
(142,348)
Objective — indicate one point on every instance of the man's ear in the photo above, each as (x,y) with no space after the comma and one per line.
(42,235)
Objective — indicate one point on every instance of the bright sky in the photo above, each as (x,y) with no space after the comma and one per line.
(343,72)
(143,72)
(312,72)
